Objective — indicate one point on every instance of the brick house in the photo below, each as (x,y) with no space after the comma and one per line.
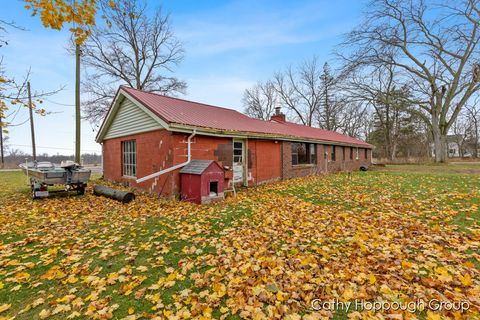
(147,138)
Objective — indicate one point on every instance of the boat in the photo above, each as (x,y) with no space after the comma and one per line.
(43,174)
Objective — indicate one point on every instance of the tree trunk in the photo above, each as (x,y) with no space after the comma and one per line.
(439,145)
(1,146)
(393,150)
(475,152)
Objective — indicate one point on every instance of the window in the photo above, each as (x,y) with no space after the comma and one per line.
(333,153)
(129,156)
(351,153)
(343,151)
(356,154)
(366,153)
(238,152)
(303,153)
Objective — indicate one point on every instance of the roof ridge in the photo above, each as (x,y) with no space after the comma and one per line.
(185,100)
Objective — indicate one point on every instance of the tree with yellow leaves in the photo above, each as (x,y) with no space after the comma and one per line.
(54,14)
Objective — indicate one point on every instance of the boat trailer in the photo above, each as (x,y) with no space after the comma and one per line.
(41,175)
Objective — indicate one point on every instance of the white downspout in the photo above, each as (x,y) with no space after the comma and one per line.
(178,166)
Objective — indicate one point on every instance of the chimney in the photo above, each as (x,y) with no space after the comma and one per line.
(278,116)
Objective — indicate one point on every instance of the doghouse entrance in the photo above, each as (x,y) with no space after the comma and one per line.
(213,188)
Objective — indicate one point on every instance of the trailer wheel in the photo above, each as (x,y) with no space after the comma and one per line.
(81,191)
(33,194)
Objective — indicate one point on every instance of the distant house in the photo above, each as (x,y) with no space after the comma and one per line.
(457,147)
(147,138)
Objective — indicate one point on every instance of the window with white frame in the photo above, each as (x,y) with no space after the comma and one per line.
(356,154)
(129,158)
(238,152)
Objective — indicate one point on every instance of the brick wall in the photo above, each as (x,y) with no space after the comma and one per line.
(323,165)
(268,160)
(154,153)
(301,170)
(202,148)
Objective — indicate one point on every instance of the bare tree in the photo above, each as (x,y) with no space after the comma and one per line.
(354,119)
(377,88)
(311,95)
(435,47)
(137,49)
(299,90)
(15,96)
(260,100)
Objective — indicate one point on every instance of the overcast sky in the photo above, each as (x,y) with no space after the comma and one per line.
(229,46)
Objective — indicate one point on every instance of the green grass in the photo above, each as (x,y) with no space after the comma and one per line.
(157,230)
(450,168)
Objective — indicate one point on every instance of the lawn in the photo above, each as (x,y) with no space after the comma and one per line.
(395,234)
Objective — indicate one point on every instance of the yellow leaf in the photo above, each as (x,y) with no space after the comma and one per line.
(4,307)
(224,309)
(281,296)
(22,276)
(60,308)
(16,288)
(443,275)
(433,316)
(166,312)
(37,302)
(131,310)
(74,314)
(347,294)
(406,264)
(219,289)
(372,279)
(142,268)
(466,280)
(44,314)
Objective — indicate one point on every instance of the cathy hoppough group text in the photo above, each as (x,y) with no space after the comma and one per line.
(379,306)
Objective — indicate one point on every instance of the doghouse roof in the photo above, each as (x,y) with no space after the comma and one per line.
(197,166)
(178,114)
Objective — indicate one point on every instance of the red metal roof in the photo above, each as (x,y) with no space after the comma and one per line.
(184,112)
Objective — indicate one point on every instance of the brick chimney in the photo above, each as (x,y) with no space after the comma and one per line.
(278,116)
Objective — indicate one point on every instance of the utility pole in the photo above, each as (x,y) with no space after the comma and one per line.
(32,128)
(77,103)
(1,143)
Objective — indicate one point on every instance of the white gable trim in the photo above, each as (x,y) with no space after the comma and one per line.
(117,102)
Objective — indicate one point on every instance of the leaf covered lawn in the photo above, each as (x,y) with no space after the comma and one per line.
(267,253)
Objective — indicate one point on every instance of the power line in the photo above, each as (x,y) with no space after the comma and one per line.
(60,104)
(42,147)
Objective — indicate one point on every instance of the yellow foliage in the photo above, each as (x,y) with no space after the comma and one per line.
(54,14)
